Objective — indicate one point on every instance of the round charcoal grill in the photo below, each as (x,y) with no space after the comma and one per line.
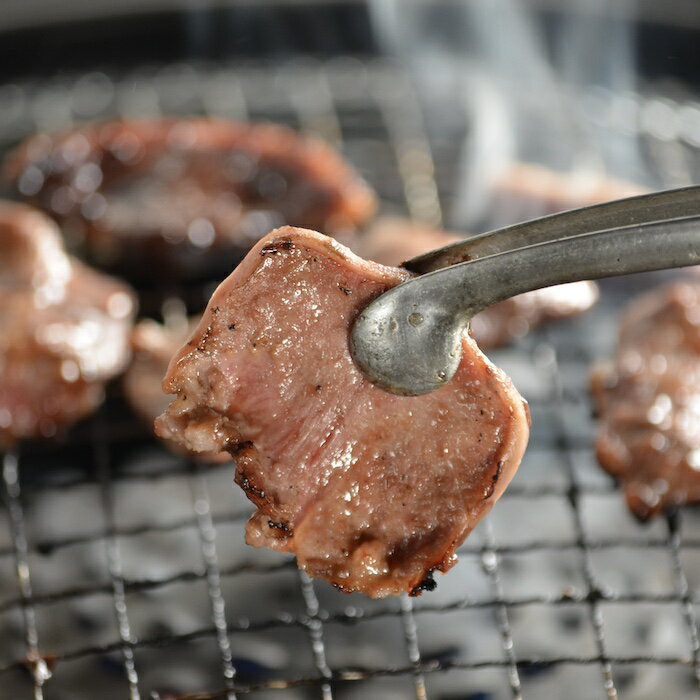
(123,572)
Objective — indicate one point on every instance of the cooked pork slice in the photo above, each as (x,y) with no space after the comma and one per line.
(526,191)
(391,241)
(153,345)
(64,329)
(648,399)
(190,193)
(513,318)
(370,490)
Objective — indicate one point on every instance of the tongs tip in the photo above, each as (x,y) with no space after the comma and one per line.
(429,342)
(408,341)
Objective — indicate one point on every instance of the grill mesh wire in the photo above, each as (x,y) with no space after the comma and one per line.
(122,568)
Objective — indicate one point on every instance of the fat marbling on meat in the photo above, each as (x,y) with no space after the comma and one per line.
(648,398)
(392,241)
(64,329)
(369,490)
(194,194)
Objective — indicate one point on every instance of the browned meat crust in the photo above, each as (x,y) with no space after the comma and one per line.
(185,192)
(64,329)
(153,346)
(371,491)
(392,241)
(648,398)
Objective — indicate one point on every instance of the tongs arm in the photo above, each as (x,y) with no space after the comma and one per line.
(408,341)
(642,209)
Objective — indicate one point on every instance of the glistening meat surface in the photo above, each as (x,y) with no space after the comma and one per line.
(371,491)
(649,401)
(64,329)
(192,193)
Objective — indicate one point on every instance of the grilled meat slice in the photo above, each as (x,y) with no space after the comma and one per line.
(391,241)
(648,399)
(513,318)
(526,191)
(153,345)
(64,328)
(193,194)
(371,491)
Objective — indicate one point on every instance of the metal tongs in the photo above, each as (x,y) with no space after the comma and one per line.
(409,340)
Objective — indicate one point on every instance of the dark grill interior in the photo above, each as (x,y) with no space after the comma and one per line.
(123,572)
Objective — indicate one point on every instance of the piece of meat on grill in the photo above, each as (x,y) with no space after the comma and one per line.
(527,190)
(648,399)
(153,345)
(369,490)
(193,194)
(391,241)
(64,329)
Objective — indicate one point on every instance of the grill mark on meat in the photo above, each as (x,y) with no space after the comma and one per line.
(245,483)
(284,529)
(359,476)
(494,480)
(276,247)
(240,447)
(427,584)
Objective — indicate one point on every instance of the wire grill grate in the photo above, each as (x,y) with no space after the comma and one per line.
(122,567)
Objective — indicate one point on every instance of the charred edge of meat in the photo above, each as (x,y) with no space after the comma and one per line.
(494,480)
(247,486)
(284,529)
(427,584)
(256,494)
(203,339)
(274,248)
(247,444)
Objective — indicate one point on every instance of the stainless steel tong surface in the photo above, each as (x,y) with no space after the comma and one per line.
(409,340)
